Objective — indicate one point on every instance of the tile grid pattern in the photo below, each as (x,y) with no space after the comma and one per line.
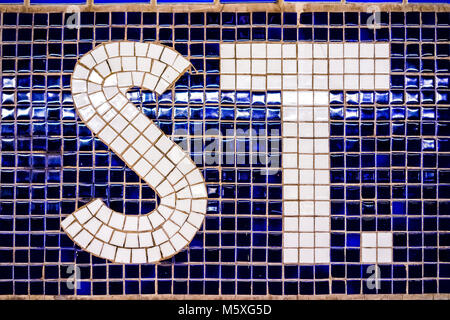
(351,276)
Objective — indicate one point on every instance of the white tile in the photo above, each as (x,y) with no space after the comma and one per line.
(104,233)
(80,72)
(129,111)
(290,82)
(130,156)
(322,255)
(129,64)
(382,66)
(259,67)
(366,50)
(153,254)
(306,146)
(305,50)
(82,215)
(170,74)
(290,176)
(161,86)
(115,64)
(168,56)
(322,224)
(108,252)
(384,239)
(306,176)
(351,66)
(320,82)
(83,238)
(259,50)
(289,51)
(188,231)
(117,220)
(156,219)
(274,82)
(289,98)
(159,236)
(382,50)
(320,50)
(131,240)
(382,81)
(104,214)
(274,66)
(178,242)
(131,223)
(306,161)
(306,193)
(290,208)
(228,66)
(227,50)
(336,82)
(124,79)
(320,66)
(291,224)
(144,64)
(243,82)
(290,240)
(144,224)
(170,228)
(129,134)
(95,77)
(181,64)
(289,66)
(227,82)
(336,50)
(145,239)
(290,255)
(322,239)
(167,249)
(351,50)
(126,48)
(107,134)
(366,82)
(141,49)
(305,82)
(336,66)
(243,66)
(305,66)
(368,239)
(138,256)
(103,69)
(368,255)
(321,161)
(153,177)
(95,247)
(86,113)
(384,255)
(123,255)
(243,50)
(81,100)
(118,238)
(306,256)
(154,51)
(93,225)
(274,50)
(67,221)
(88,60)
(351,82)
(73,229)
(306,240)
(99,54)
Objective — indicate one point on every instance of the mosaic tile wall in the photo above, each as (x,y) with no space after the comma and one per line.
(385,133)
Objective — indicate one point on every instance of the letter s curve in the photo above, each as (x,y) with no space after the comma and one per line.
(100,81)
